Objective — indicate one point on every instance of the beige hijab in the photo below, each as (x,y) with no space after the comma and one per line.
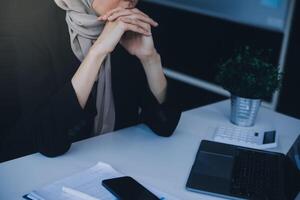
(84,28)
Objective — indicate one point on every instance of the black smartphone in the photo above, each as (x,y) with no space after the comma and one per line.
(126,188)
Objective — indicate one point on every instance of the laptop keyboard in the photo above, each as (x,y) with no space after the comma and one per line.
(256,176)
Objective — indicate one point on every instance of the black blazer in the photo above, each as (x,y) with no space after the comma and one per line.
(46,116)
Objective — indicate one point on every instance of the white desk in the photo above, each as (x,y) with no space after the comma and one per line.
(136,151)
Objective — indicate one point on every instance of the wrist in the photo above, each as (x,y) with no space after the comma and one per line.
(97,51)
(101,47)
(151,59)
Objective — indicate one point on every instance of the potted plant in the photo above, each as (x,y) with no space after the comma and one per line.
(250,77)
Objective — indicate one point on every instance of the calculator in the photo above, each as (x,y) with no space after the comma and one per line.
(251,137)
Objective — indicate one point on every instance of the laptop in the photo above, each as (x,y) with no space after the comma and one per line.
(242,173)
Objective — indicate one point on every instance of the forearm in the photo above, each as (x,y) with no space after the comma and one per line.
(84,78)
(155,76)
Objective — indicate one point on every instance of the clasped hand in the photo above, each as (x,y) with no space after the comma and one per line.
(130,27)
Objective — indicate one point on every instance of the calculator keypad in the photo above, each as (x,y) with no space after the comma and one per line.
(241,136)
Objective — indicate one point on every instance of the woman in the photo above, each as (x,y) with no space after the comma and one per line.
(70,92)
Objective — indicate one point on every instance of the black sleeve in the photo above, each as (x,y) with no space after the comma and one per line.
(50,107)
(45,129)
(161,118)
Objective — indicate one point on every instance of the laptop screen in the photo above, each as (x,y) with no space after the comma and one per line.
(294,153)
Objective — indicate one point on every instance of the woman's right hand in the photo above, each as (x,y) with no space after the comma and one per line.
(114,30)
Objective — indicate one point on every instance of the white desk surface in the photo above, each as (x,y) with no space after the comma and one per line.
(136,151)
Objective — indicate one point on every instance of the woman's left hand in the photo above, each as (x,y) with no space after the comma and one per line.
(136,44)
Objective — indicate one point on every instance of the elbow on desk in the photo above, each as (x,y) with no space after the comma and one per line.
(167,127)
(54,150)
(165,131)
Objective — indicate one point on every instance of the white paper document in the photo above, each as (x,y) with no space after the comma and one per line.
(88,183)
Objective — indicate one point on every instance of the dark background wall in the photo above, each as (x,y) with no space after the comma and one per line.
(194,44)
(9,108)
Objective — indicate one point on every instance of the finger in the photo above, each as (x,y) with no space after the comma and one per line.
(143,25)
(135,28)
(113,16)
(137,11)
(105,16)
(127,13)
